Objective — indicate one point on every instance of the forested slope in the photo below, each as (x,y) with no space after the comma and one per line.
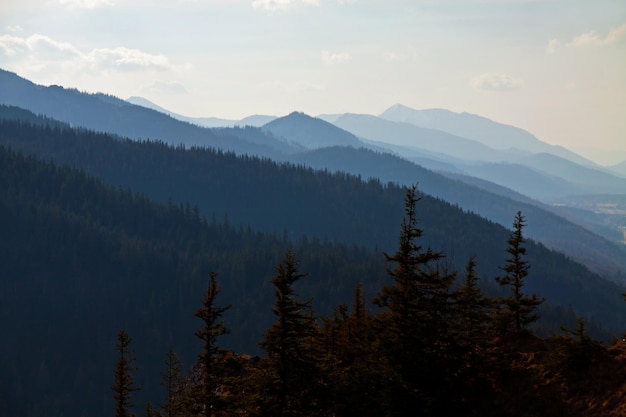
(296,201)
(81,260)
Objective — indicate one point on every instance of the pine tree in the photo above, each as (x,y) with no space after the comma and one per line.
(417,322)
(518,309)
(124,381)
(213,327)
(291,382)
(354,366)
(473,311)
(170,380)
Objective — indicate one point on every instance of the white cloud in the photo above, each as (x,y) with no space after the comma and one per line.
(496,82)
(40,50)
(585,39)
(616,34)
(12,45)
(591,38)
(553,45)
(333,58)
(126,59)
(37,45)
(86,4)
(14,28)
(273,5)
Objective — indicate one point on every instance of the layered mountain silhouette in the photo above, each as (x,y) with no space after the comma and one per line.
(490,189)
(255,120)
(493,134)
(106,113)
(311,132)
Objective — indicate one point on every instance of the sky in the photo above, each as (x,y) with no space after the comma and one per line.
(556,68)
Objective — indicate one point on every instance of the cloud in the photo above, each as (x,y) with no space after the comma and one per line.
(273,5)
(496,82)
(165,87)
(37,45)
(14,28)
(553,45)
(86,4)
(334,58)
(125,59)
(39,51)
(591,38)
(616,34)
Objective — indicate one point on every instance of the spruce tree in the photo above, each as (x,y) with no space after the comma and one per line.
(473,310)
(354,364)
(517,310)
(124,380)
(170,380)
(208,359)
(417,321)
(292,373)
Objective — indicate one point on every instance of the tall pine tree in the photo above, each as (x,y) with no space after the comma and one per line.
(171,379)
(213,327)
(291,383)
(416,324)
(517,310)
(124,380)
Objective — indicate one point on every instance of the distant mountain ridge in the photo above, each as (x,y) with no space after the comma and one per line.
(254,120)
(417,138)
(544,175)
(493,134)
(311,132)
(286,138)
(105,113)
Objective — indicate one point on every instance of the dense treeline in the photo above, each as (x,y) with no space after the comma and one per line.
(79,259)
(82,259)
(294,201)
(433,350)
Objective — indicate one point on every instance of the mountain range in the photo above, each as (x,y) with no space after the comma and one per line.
(489,185)
(102,229)
(254,120)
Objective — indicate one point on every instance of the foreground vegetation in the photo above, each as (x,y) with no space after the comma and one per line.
(437,346)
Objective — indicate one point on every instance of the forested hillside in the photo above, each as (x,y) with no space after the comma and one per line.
(296,201)
(601,256)
(81,260)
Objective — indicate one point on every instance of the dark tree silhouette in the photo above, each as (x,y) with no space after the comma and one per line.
(292,368)
(417,322)
(170,380)
(213,327)
(124,381)
(518,309)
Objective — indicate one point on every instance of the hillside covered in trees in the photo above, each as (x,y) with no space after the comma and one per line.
(85,256)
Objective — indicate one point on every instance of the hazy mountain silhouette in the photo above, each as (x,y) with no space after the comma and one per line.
(311,132)
(619,169)
(542,176)
(481,129)
(200,121)
(597,180)
(285,137)
(255,120)
(106,113)
(408,135)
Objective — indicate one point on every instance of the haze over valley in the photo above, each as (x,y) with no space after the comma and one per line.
(316,208)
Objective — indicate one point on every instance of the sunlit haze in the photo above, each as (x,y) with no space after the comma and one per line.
(553,67)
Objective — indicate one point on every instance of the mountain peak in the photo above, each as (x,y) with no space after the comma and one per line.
(310,132)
